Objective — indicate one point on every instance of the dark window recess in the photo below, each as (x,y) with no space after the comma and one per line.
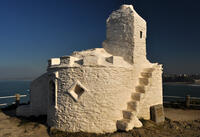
(52,92)
(78,90)
(140,34)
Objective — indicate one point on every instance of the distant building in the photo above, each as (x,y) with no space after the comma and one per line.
(104,89)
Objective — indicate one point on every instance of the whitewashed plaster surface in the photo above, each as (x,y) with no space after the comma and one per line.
(104,89)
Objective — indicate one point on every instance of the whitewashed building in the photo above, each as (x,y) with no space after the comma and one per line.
(104,89)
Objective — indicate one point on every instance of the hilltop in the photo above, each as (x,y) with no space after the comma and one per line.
(174,125)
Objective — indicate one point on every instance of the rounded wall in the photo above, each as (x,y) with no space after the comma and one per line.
(38,95)
(91,99)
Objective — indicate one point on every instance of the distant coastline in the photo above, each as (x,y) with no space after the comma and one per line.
(179,83)
(175,84)
(28,80)
(182,83)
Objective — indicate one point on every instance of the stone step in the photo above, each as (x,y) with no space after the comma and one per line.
(143,81)
(122,124)
(126,124)
(135,122)
(148,70)
(137,96)
(127,114)
(146,74)
(140,89)
(132,105)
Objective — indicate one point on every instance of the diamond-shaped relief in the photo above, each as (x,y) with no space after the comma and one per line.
(76,90)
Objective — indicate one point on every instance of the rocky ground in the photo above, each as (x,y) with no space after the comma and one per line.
(11,126)
(150,129)
(178,123)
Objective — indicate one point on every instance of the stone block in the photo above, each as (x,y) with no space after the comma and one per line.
(157,113)
(54,61)
(117,61)
(68,60)
(114,60)
(91,61)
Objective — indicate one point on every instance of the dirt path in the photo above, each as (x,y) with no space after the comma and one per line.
(179,123)
(181,114)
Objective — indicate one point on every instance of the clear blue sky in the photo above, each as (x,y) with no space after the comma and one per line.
(32,31)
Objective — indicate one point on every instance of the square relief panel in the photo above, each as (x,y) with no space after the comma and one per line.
(76,90)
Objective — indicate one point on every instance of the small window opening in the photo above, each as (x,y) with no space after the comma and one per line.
(52,92)
(78,90)
(140,34)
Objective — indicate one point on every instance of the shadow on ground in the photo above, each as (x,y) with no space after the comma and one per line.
(11,111)
(22,124)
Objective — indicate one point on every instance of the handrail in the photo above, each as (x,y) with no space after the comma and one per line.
(5,104)
(189,101)
(12,96)
(180,97)
(172,97)
(194,98)
(17,99)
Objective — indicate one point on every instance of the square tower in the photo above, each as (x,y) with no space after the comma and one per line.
(126,35)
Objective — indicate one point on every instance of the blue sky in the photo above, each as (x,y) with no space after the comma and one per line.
(32,31)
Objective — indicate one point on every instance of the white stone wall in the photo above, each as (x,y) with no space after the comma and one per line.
(120,34)
(153,95)
(126,35)
(93,87)
(108,90)
(38,98)
(98,108)
(140,26)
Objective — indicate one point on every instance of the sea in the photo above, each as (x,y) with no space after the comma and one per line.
(10,88)
(182,90)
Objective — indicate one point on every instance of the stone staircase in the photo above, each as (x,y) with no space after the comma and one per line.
(130,119)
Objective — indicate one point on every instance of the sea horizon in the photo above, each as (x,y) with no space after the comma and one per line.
(12,87)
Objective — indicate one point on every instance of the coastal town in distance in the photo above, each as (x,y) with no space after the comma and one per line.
(182,78)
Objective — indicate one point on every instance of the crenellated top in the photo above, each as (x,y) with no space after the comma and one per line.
(124,46)
(93,58)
